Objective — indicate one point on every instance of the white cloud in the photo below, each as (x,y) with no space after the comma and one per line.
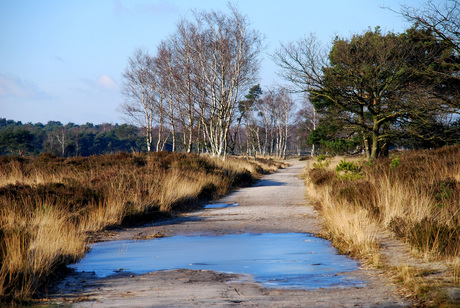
(15,87)
(107,82)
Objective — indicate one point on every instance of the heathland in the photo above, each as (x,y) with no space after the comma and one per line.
(411,197)
(50,207)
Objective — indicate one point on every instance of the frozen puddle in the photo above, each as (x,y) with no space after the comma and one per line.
(285,260)
(220,205)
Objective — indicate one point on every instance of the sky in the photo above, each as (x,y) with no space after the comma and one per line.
(64,60)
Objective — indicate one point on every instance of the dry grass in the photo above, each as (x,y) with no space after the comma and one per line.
(455,265)
(419,199)
(49,205)
(30,250)
(343,220)
(413,194)
(411,279)
(348,231)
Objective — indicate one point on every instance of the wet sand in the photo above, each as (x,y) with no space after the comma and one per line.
(276,204)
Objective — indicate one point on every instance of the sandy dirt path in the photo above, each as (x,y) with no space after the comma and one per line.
(276,204)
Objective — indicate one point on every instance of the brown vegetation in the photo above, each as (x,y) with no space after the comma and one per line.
(413,194)
(49,205)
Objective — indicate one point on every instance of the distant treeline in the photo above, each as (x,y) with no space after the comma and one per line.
(70,139)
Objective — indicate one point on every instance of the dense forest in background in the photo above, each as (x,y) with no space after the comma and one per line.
(66,140)
(70,139)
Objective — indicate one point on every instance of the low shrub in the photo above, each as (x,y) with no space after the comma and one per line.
(395,162)
(349,190)
(320,176)
(348,170)
(437,238)
(322,162)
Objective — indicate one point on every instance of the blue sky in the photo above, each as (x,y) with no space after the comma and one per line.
(63,60)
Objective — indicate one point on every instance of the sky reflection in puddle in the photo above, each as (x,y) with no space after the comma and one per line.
(285,260)
(220,205)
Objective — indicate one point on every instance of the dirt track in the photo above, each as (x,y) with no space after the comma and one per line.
(276,204)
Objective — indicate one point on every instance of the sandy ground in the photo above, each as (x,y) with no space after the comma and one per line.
(276,204)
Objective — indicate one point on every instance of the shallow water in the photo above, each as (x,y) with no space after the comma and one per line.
(220,205)
(287,260)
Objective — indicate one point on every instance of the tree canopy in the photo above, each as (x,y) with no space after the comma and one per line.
(376,86)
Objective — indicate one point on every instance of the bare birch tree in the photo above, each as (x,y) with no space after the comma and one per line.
(139,91)
(226,53)
(166,71)
(195,81)
(307,121)
(61,136)
(186,80)
(286,108)
(276,109)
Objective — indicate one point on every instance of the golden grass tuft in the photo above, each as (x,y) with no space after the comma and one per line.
(348,231)
(31,251)
(345,226)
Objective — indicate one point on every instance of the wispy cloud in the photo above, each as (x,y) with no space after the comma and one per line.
(104,83)
(58,59)
(11,86)
(107,82)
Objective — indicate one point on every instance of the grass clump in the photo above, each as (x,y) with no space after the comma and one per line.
(333,193)
(49,205)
